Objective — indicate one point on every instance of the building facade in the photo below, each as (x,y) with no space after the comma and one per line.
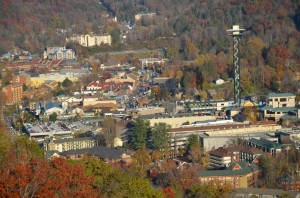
(21,79)
(281,100)
(278,105)
(59,53)
(91,40)
(236,175)
(13,92)
(62,145)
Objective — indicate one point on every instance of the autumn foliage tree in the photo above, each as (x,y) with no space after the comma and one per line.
(40,178)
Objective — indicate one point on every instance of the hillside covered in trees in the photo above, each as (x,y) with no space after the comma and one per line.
(35,24)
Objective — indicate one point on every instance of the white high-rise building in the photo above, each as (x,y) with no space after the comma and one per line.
(91,40)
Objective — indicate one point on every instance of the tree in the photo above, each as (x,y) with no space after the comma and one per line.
(195,154)
(213,190)
(251,113)
(5,143)
(169,192)
(115,35)
(53,117)
(23,146)
(193,140)
(160,136)
(109,130)
(141,160)
(67,83)
(203,94)
(138,133)
(156,155)
(111,182)
(39,178)
(27,117)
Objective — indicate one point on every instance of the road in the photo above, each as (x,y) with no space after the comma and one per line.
(139,51)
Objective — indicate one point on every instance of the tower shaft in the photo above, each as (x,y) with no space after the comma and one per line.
(237,71)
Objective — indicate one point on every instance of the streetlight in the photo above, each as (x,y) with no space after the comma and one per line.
(236,33)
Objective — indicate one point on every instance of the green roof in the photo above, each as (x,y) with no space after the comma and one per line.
(266,143)
(266,108)
(284,109)
(279,109)
(246,168)
(290,117)
(273,95)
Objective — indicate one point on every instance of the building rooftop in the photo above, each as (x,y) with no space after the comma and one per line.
(273,95)
(265,143)
(60,141)
(50,105)
(234,169)
(99,151)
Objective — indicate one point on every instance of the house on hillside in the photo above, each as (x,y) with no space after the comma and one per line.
(220,81)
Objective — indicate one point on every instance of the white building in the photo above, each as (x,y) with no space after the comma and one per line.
(220,81)
(91,40)
(52,107)
(74,100)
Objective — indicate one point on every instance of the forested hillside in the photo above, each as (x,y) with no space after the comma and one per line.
(35,24)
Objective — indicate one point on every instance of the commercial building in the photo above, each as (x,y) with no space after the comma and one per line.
(44,130)
(278,105)
(13,92)
(36,82)
(215,136)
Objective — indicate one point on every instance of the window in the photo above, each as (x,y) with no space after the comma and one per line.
(282,99)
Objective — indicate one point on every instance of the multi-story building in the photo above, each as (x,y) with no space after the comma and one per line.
(24,79)
(62,145)
(265,145)
(278,105)
(236,175)
(13,92)
(281,100)
(223,156)
(91,40)
(59,53)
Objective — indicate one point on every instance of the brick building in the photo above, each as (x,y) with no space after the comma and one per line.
(25,80)
(236,175)
(13,92)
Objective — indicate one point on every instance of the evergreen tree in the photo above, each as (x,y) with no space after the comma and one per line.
(139,133)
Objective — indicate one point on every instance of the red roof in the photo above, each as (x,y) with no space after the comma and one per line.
(36,63)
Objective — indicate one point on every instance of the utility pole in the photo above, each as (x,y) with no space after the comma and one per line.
(236,34)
